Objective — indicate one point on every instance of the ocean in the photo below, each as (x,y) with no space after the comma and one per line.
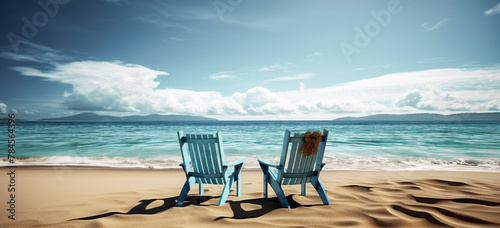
(466,146)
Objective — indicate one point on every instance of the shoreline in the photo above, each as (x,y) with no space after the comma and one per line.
(334,162)
(60,196)
(96,167)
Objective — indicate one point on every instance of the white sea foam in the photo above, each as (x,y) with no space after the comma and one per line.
(333,162)
(115,162)
(353,162)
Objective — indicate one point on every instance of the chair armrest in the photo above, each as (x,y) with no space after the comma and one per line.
(322,165)
(237,162)
(267,163)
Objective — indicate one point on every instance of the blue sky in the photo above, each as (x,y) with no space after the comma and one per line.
(243,59)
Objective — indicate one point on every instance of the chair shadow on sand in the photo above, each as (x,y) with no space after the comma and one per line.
(142,207)
(266,206)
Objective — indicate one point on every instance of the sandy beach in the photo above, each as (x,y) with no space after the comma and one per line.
(97,197)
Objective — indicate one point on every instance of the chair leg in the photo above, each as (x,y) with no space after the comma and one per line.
(321,191)
(237,178)
(185,190)
(202,190)
(265,171)
(232,183)
(303,189)
(279,192)
(238,186)
(226,190)
(265,181)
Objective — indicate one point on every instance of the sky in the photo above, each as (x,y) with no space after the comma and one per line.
(249,59)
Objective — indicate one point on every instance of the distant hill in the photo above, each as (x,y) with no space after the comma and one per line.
(427,117)
(154,117)
(17,120)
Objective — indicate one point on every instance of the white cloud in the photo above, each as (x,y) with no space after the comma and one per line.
(313,55)
(494,10)
(153,21)
(250,24)
(302,86)
(431,98)
(176,39)
(18,57)
(3,108)
(274,67)
(221,75)
(163,22)
(259,100)
(410,98)
(116,86)
(440,91)
(32,52)
(436,26)
(26,112)
(294,77)
(435,99)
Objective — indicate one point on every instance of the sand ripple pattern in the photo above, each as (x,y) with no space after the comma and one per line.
(145,198)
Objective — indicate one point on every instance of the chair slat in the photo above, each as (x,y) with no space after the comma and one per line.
(294,154)
(306,167)
(205,156)
(192,154)
(215,156)
(284,151)
(215,161)
(209,156)
(200,155)
(221,149)
(300,164)
(294,151)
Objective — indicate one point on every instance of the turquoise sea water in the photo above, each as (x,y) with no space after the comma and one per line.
(351,146)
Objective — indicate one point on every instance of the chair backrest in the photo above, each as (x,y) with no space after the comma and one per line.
(298,168)
(203,156)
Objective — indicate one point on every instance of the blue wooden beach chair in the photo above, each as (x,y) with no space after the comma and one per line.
(295,168)
(204,163)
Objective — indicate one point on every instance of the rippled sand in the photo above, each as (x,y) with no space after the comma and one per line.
(86,197)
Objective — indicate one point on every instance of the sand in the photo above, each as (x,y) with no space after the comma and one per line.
(97,197)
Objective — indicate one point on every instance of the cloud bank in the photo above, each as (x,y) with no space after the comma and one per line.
(114,86)
(121,87)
